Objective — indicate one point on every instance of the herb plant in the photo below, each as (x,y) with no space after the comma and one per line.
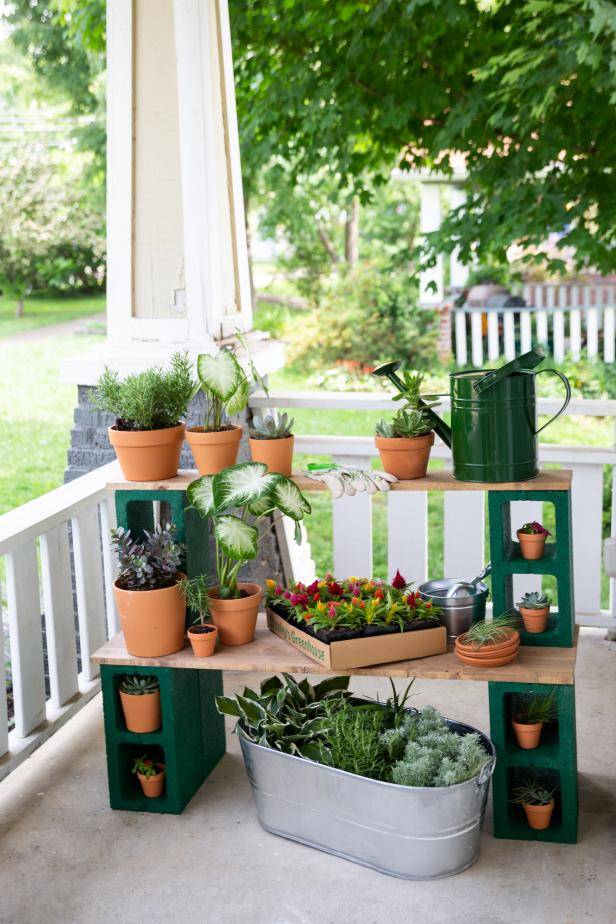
(353,740)
(534,529)
(532,792)
(147,564)
(410,420)
(530,709)
(196,592)
(270,427)
(152,400)
(250,490)
(535,601)
(139,685)
(489,632)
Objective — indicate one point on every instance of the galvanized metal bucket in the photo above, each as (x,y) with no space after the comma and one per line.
(405,831)
(457,613)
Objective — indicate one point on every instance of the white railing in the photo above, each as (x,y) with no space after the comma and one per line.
(464,513)
(44,543)
(568,318)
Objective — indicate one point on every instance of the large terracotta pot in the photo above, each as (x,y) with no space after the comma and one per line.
(535,620)
(406,458)
(527,736)
(532,545)
(539,816)
(152,620)
(142,712)
(494,655)
(153,785)
(148,455)
(214,450)
(236,619)
(203,643)
(276,454)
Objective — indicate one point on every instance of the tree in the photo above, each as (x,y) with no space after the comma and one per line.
(523,88)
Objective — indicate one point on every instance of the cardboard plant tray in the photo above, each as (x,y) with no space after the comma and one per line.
(361,652)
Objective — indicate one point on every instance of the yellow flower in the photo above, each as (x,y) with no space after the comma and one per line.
(321,607)
(270,583)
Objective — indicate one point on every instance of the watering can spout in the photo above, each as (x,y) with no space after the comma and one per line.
(390,371)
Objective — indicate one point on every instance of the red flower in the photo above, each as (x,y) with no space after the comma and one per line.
(312,588)
(279,590)
(299,600)
(378,594)
(316,597)
(412,600)
(398,582)
(335,589)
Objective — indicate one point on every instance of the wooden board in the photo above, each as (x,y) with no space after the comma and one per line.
(559,480)
(269,654)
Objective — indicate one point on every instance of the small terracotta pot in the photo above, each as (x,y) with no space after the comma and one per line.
(539,816)
(148,455)
(214,450)
(489,656)
(535,620)
(203,643)
(406,458)
(532,545)
(152,620)
(276,454)
(527,736)
(236,619)
(153,785)
(142,712)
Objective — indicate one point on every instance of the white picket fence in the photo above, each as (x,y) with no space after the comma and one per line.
(568,318)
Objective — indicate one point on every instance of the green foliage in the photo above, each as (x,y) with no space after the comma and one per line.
(411,420)
(528,709)
(534,601)
(146,766)
(489,632)
(150,400)
(271,428)
(223,382)
(196,591)
(353,740)
(532,792)
(150,563)
(285,715)
(139,684)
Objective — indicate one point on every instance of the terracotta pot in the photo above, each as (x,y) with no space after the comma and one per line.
(236,619)
(214,450)
(203,643)
(539,816)
(153,785)
(495,655)
(152,620)
(532,545)
(142,712)
(276,454)
(527,736)
(535,620)
(148,455)
(406,458)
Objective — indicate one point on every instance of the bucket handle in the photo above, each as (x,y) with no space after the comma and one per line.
(486,772)
(567,396)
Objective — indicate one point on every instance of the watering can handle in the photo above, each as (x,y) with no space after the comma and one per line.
(567,398)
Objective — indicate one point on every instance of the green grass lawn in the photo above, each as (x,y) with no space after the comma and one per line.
(41,311)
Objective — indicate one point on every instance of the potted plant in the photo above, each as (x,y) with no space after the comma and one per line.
(222,380)
(271,442)
(201,635)
(147,592)
(532,538)
(151,775)
(404,442)
(490,643)
(148,406)
(140,698)
(537,802)
(252,491)
(534,608)
(530,713)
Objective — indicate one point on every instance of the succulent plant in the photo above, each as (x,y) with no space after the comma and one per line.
(139,685)
(534,601)
(271,427)
(148,564)
(406,423)
(532,792)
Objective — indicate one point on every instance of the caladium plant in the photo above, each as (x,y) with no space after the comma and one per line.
(229,499)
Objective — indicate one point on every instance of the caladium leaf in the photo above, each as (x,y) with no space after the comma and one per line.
(262,506)
(201,495)
(289,499)
(237,539)
(297,533)
(242,484)
(219,373)
(239,399)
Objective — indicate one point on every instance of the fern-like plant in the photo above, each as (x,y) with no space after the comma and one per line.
(270,427)
(196,591)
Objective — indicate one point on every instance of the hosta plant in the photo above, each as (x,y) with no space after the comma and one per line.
(139,685)
(534,529)
(150,563)
(534,601)
(270,427)
(237,501)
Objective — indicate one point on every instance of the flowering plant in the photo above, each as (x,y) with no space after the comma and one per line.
(355,603)
(535,529)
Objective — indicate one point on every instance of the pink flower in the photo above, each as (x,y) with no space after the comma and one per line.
(398,582)
(287,595)
(299,600)
(279,590)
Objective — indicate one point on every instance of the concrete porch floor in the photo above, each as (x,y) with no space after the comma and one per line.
(65,857)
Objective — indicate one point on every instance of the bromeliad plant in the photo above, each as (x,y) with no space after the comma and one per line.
(354,603)
(255,495)
(148,564)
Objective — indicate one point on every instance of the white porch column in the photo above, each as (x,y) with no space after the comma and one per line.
(430,220)
(458,272)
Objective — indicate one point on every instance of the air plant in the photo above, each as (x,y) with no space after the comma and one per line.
(530,710)
(532,792)
(490,632)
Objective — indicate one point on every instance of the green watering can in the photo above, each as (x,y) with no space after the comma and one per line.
(493,432)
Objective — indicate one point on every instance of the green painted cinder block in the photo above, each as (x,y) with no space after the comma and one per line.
(555,760)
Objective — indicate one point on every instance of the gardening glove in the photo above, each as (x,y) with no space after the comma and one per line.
(341,480)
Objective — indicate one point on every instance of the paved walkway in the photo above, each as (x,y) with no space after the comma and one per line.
(75,326)
(66,858)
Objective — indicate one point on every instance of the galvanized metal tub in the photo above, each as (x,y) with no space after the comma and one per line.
(404,831)
(458,613)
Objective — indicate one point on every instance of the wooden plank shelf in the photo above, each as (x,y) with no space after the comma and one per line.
(269,654)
